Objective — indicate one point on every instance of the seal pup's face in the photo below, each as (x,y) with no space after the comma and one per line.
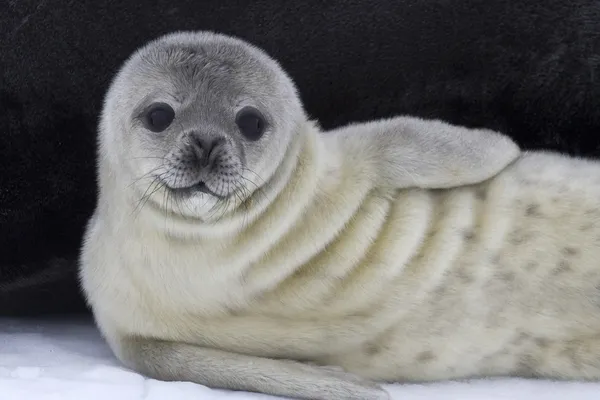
(198,120)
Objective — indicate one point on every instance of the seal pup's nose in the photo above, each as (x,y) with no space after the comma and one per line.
(206,149)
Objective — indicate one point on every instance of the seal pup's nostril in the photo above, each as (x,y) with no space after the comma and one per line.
(206,149)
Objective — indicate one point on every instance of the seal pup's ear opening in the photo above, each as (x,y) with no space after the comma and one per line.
(431,154)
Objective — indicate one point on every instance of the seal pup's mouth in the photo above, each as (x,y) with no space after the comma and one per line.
(199,187)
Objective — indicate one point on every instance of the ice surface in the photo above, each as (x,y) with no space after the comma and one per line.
(68,360)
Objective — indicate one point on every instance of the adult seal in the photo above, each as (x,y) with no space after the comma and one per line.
(237,246)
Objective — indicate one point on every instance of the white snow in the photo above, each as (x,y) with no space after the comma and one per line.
(68,360)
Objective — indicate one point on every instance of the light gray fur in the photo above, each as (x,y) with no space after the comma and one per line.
(142,305)
(173,361)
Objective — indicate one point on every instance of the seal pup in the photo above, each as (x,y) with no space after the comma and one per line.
(237,246)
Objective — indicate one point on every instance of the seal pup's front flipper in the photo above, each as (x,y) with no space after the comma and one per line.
(171,361)
(406,152)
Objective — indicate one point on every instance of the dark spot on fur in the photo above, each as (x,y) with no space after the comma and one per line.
(425,356)
(533,210)
(562,267)
(521,337)
(505,353)
(468,235)
(359,314)
(527,365)
(440,291)
(569,251)
(372,349)
(542,343)
(518,237)
(233,312)
(495,259)
(587,226)
(464,276)
(507,276)
(480,194)
(531,265)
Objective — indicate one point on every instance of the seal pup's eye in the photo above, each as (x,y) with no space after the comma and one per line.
(251,123)
(158,117)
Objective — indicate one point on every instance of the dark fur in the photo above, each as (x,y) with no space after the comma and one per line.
(526,67)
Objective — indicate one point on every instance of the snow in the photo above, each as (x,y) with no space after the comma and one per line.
(68,360)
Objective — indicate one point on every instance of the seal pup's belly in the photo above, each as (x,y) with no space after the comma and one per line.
(519,294)
(499,278)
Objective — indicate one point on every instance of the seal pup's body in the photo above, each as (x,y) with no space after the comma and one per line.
(397,250)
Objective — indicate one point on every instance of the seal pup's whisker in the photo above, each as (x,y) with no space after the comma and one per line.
(158,185)
(150,174)
(147,158)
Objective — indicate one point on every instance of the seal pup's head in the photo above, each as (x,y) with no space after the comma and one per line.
(197,119)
